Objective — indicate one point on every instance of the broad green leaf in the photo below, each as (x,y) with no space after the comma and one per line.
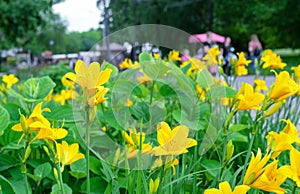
(13,110)
(98,185)
(220,92)
(78,169)
(4,119)
(56,189)
(205,79)
(157,112)
(43,170)
(6,186)
(14,94)
(145,57)
(38,88)
(95,165)
(7,161)
(10,136)
(110,118)
(141,111)
(238,127)
(212,167)
(236,136)
(167,91)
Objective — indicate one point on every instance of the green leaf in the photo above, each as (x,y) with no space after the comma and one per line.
(238,127)
(10,136)
(98,185)
(6,186)
(13,110)
(7,161)
(38,88)
(205,79)
(42,170)
(145,57)
(220,92)
(4,119)
(14,94)
(212,167)
(95,165)
(63,113)
(110,118)
(106,65)
(157,112)
(78,168)
(56,190)
(141,111)
(236,136)
(167,91)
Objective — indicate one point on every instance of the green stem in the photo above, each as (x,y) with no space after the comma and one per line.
(151,93)
(24,170)
(294,188)
(59,181)
(87,154)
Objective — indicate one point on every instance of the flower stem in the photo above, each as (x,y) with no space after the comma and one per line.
(59,181)
(87,141)
(152,88)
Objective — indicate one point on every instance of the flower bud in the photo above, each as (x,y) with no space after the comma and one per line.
(23,123)
(229,150)
(27,154)
(274,108)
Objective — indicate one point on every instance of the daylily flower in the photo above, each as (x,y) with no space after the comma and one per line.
(144,78)
(272,60)
(196,65)
(283,87)
(247,99)
(212,55)
(63,96)
(241,70)
(201,92)
(135,142)
(272,178)
(256,167)
(99,96)
(278,143)
(294,172)
(67,154)
(260,85)
(291,130)
(47,132)
(174,55)
(224,188)
(68,80)
(9,80)
(172,142)
(242,61)
(127,64)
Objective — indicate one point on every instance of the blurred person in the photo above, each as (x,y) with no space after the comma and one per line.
(254,48)
(186,55)
(227,53)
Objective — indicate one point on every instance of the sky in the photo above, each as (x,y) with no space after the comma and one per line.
(81,15)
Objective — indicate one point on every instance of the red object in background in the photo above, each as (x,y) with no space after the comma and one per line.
(203,38)
(47,53)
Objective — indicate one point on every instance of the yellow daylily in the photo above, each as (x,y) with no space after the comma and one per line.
(68,80)
(294,172)
(172,142)
(67,154)
(196,65)
(256,167)
(201,92)
(90,77)
(135,142)
(283,87)
(143,78)
(272,178)
(247,99)
(153,186)
(291,130)
(9,80)
(170,163)
(260,85)
(272,60)
(99,96)
(212,55)
(47,132)
(224,188)
(278,143)
(63,96)
(127,64)
(129,102)
(241,70)
(156,55)
(174,55)
(242,61)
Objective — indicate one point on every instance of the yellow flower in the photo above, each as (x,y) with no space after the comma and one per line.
(212,55)
(99,96)
(90,77)
(247,99)
(68,80)
(241,70)
(196,65)
(170,163)
(272,60)
(134,140)
(242,61)
(49,96)
(172,142)
(153,186)
(127,64)
(296,72)
(174,55)
(294,172)
(292,131)
(63,96)
(224,188)
(67,154)
(283,87)
(272,178)
(260,85)
(156,55)
(9,80)
(256,167)
(144,78)
(278,143)
(201,92)
(129,103)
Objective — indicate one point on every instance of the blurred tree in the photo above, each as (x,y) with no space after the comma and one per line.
(20,18)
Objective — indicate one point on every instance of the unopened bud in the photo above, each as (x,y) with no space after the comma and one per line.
(23,123)
(55,173)
(27,154)
(46,150)
(274,108)
(229,150)
(221,71)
